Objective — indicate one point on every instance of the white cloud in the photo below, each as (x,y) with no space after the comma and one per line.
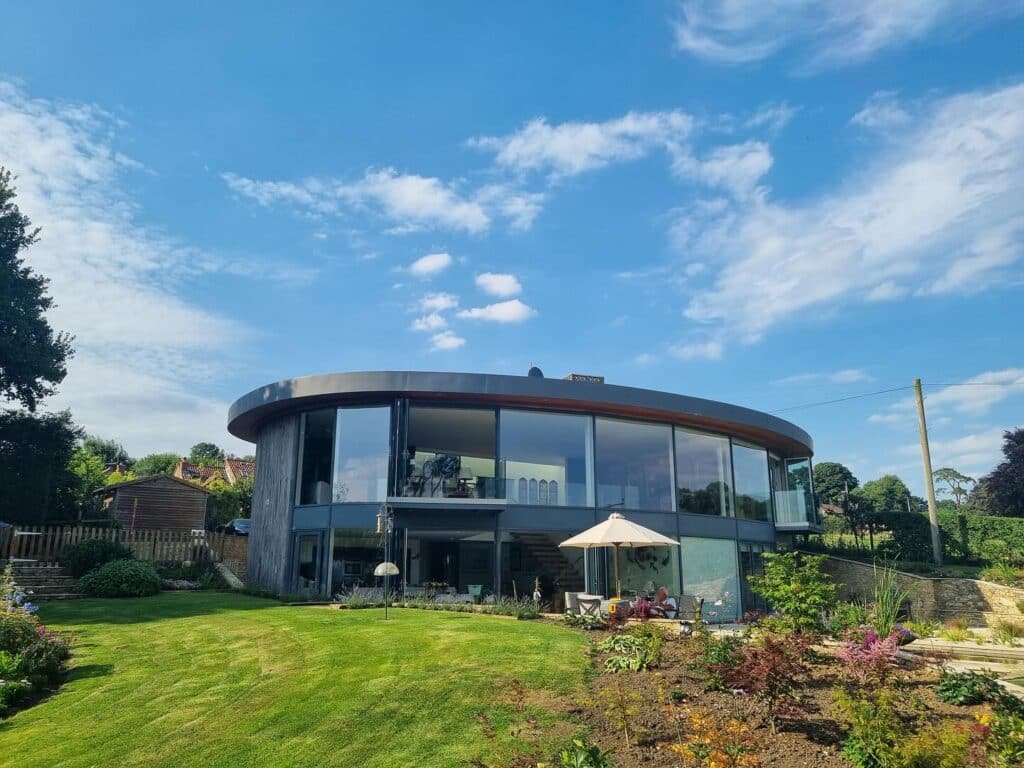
(737,168)
(516,205)
(774,117)
(571,148)
(935,211)
(437,302)
(431,264)
(827,33)
(882,111)
(499,284)
(974,397)
(707,350)
(446,340)
(843,376)
(512,311)
(975,452)
(142,350)
(432,322)
(408,200)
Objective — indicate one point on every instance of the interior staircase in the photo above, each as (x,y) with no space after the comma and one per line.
(43,581)
(551,560)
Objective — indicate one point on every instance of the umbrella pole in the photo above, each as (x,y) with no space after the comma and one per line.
(618,584)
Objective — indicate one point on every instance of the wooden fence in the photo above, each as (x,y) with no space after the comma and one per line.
(45,543)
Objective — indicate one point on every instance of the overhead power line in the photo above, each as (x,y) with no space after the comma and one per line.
(896,389)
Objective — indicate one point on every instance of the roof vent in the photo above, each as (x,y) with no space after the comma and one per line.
(535,372)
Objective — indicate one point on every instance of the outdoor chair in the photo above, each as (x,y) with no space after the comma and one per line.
(572,605)
(690,606)
(589,605)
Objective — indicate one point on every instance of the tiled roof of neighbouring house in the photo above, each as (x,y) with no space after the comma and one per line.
(239,468)
(186,470)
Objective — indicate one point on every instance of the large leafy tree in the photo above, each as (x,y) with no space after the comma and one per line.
(109,451)
(886,494)
(36,484)
(831,482)
(228,501)
(155,464)
(954,483)
(32,357)
(206,454)
(90,475)
(1004,485)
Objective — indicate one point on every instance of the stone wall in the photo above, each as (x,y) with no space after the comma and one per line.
(980,602)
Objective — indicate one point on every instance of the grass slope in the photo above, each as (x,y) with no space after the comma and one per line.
(213,679)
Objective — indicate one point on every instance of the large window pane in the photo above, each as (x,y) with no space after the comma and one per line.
(751,564)
(633,463)
(547,458)
(354,555)
(791,490)
(753,488)
(450,454)
(645,569)
(710,571)
(703,474)
(317,439)
(361,454)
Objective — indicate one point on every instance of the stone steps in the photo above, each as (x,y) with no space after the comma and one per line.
(44,582)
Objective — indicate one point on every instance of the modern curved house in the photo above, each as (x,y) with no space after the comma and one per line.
(482,476)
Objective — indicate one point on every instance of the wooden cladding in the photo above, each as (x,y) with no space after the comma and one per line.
(160,503)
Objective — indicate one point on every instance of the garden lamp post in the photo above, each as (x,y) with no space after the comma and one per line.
(387,569)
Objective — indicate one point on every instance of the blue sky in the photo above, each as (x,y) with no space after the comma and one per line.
(770,203)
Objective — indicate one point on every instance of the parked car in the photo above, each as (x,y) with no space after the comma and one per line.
(239,526)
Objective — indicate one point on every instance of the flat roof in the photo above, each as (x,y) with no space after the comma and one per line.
(250,411)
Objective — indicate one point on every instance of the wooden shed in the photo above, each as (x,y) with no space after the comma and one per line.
(160,502)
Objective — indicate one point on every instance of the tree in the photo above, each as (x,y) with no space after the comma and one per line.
(156,464)
(1004,485)
(32,357)
(206,454)
(228,501)
(957,484)
(36,485)
(886,494)
(110,451)
(831,482)
(88,469)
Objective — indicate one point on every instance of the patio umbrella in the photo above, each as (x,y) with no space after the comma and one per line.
(618,532)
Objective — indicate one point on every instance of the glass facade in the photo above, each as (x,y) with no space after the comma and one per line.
(315,451)
(450,453)
(361,451)
(633,463)
(645,569)
(703,474)
(547,458)
(710,571)
(354,555)
(753,486)
(751,565)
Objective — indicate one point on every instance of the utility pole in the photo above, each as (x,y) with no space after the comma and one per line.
(929,483)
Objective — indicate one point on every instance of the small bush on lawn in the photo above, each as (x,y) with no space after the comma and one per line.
(584,622)
(42,660)
(797,587)
(121,578)
(90,554)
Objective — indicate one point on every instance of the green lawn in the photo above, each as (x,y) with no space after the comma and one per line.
(214,679)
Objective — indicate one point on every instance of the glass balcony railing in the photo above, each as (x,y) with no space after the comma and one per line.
(792,507)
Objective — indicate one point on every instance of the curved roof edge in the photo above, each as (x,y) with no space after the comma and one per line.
(251,410)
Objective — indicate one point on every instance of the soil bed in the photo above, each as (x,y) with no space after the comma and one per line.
(811,741)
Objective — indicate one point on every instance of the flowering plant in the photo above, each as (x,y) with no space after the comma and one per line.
(869,658)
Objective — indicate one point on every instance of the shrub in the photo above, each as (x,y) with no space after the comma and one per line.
(715,658)
(1002,573)
(870,659)
(121,578)
(711,742)
(12,691)
(846,616)
(1006,739)
(772,668)
(956,635)
(924,627)
(17,630)
(797,587)
(584,622)
(580,754)
(966,688)
(1007,632)
(632,652)
(42,660)
(88,555)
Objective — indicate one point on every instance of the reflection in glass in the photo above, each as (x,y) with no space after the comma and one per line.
(450,454)
(354,555)
(751,564)
(791,490)
(703,474)
(547,451)
(307,562)
(361,454)
(753,488)
(645,569)
(710,571)
(633,462)
(316,440)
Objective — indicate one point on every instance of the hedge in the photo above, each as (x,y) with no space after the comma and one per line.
(90,554)
(966,538)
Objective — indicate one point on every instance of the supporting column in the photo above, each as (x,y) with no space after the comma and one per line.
(497,554)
